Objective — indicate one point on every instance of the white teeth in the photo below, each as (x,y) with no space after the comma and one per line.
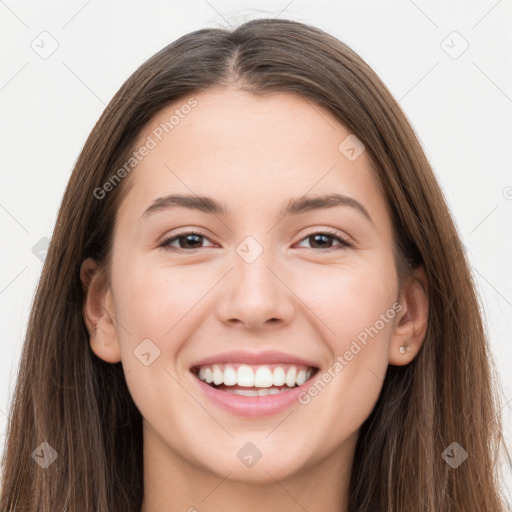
(290,377)
(245,392)
(263,377)
(279,377)
(245,376)
(301,377)
(230,375)
(256,392)
(218,376)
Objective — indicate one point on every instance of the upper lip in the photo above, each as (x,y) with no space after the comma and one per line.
(254,358)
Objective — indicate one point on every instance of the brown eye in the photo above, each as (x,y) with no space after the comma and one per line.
(323,241)
(191,241)
(186,241)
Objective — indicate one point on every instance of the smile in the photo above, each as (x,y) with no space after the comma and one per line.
(254,380)
(253,390)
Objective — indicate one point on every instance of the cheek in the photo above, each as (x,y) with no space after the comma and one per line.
(349,299)
(155,309)
(357,305)
(341,300)
(151,299)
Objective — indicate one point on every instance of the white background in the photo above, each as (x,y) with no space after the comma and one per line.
(461,109)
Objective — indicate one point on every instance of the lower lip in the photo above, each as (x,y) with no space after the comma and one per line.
(252,406)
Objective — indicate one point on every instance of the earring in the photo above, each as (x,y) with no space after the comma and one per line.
(404,348)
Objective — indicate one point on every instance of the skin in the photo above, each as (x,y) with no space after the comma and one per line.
(253,154)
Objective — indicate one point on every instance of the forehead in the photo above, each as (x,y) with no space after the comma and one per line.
(248,151)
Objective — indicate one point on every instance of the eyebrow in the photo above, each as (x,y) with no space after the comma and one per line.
(293,207)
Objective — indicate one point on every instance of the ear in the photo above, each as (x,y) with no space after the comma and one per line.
(412,320)
(98,312)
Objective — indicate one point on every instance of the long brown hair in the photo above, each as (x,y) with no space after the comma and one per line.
(81,406)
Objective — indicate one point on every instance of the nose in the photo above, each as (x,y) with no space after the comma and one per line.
(255,294)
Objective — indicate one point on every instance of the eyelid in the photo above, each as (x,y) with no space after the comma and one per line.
(344,241)
(172,238)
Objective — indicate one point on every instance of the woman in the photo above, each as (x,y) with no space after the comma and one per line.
(256,370)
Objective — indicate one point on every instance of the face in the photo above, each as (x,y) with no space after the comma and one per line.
(314,288)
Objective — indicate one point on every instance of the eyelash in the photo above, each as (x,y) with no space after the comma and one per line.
(336,236)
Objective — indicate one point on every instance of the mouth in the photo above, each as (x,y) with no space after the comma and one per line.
(254,380)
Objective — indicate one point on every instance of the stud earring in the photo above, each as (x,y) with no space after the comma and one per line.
(404,348)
